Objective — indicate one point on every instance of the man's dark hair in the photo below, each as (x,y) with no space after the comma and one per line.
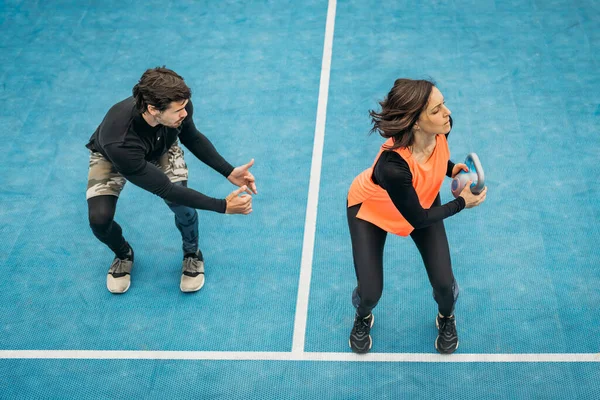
(159,87)
(400,111)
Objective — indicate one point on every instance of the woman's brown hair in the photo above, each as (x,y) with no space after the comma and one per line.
(400,110)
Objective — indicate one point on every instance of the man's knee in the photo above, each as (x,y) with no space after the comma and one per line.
(183,212)
(100,219)
(101,211)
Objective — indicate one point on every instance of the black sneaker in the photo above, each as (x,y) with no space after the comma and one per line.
(447,339)
(360,339)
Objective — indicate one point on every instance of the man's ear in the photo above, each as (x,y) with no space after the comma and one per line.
(152,110)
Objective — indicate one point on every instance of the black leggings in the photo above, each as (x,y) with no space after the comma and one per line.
(101,211)
(368,241)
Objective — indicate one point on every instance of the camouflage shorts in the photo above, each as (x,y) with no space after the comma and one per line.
(104,179)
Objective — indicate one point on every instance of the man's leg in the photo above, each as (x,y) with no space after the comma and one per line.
(104,186)
(101,211)
(186,221)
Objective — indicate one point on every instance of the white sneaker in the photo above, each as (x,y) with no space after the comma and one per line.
(118,279)
(192,274)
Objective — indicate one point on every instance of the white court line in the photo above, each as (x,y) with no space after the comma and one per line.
(287,356)
(313,188)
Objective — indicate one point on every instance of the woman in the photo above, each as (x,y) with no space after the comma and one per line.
(400,194)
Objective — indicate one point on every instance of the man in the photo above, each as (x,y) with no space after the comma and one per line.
(138,141)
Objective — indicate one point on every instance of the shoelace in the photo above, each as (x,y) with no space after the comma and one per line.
(361,324)
(192,264)
(119,266)
(448,327)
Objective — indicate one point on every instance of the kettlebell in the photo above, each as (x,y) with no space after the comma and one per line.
(474,174)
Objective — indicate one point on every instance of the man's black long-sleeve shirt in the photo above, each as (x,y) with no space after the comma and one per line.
(129,143)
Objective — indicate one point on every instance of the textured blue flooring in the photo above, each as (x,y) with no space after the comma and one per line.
(298,380)
(518,80)
(521,78)
(252,99)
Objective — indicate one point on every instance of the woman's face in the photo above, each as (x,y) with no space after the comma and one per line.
(435,119)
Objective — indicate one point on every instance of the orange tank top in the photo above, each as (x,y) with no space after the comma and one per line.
(378,208)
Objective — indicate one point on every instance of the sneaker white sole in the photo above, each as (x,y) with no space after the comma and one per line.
(370,345)
(437,325)
(110,281)
(190,289)
(436,346)
(370,339)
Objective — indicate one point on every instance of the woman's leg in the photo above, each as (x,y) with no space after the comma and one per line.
(368,241)
(432,243)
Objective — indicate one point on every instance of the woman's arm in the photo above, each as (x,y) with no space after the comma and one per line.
(393,174)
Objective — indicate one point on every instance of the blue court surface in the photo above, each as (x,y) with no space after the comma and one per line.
(290,83)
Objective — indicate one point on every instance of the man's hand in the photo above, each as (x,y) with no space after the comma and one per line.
(459,167)
(238,203)
(240,176)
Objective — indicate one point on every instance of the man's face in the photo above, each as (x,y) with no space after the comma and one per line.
(172,116)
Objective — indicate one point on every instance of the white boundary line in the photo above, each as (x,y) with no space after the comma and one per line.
(313,188)
(287,356)
(298,353)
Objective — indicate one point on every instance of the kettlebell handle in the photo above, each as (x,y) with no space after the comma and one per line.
(475,174)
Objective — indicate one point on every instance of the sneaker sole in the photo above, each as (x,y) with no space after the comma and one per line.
(117,292)
(192,290)
(370,339)
(448,352)
(362,352)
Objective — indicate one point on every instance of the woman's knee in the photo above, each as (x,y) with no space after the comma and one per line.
(446,291)
(367,297)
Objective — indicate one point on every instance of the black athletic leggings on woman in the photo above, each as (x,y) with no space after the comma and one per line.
(368,241)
